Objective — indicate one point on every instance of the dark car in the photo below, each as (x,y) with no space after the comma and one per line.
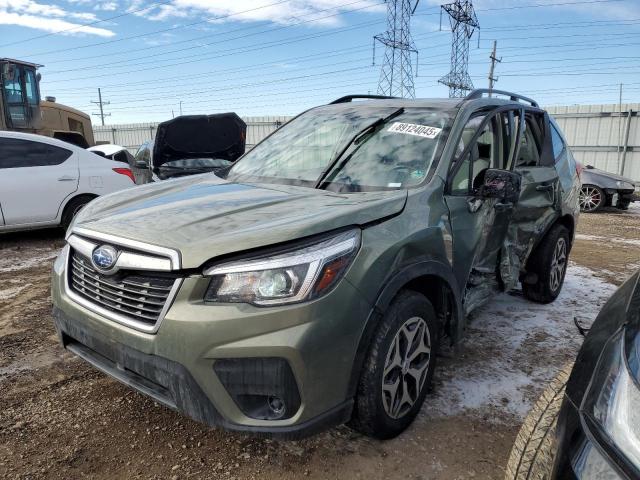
(604,189)
(191,144)
(587,423)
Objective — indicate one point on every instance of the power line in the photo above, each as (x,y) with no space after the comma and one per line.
(193,47)
(225,53)
(201,45)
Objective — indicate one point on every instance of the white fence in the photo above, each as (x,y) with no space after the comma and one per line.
(132,135)
(602,136)
(599,135)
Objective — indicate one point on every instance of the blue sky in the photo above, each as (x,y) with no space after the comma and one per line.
(278,57)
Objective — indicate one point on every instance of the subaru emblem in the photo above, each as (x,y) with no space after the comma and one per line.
(104,257)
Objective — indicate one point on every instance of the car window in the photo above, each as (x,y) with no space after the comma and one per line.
(510,122)
(121,157)
(529,152)
(16,153)
(479,157)
(557,142)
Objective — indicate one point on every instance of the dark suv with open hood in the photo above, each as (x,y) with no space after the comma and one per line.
(191,144)
(314,283)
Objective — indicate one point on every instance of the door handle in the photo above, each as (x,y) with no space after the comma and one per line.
(503,207)
(544,188)
(67,178)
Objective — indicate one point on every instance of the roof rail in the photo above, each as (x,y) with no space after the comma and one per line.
(478,92)
(349,98)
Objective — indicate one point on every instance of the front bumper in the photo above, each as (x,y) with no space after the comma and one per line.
(620,198)
(318,340)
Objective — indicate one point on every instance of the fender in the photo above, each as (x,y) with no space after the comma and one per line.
(389,290)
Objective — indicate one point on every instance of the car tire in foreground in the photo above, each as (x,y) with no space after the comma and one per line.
(592,198)
(533,451)
(548,264)
(398,369)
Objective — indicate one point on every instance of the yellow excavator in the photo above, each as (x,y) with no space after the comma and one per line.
(23,110)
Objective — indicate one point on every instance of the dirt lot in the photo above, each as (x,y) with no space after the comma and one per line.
(60,418)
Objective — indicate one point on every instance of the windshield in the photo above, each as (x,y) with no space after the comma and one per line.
(396,154)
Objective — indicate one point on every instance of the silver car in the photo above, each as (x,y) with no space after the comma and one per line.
(603,189)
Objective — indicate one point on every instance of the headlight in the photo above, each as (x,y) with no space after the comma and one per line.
(613,399)
(295,276)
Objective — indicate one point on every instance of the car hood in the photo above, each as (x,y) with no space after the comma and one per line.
(203,216)
(611,176)
(222,135)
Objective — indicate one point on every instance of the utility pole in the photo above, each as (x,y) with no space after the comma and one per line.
(620,126)
(494,59)
(101,104)
(464,22)
(180,107)
(396,74)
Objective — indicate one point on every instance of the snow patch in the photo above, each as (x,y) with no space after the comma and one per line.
(596,238)
(513,348)
(9,293)
(36,258)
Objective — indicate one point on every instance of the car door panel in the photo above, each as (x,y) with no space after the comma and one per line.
(479,225)
(537,208)
(33,193)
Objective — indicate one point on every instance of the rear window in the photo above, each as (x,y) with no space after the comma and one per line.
(17,153)
(558,143)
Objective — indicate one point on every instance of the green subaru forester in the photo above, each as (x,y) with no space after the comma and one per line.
(313,284)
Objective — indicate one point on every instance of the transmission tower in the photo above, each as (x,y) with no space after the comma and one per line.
(463,21)
(396,75)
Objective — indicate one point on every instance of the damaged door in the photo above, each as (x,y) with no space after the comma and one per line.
(479,224)
(539,198)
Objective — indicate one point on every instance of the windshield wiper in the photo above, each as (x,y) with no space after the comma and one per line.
(354,139)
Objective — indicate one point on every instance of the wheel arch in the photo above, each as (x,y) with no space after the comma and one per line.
(71,198)
(435,281)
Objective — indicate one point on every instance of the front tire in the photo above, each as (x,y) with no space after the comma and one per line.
(548,263)
(534,449)
(399,367)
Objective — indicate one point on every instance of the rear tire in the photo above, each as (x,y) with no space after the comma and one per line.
(548,263)
(398,369)
(72,209)
(533,452)
(592,198)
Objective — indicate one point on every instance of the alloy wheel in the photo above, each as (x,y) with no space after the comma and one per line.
(406,367)
(558,264)
(590,199)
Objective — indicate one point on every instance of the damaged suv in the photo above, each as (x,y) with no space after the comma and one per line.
(314,284)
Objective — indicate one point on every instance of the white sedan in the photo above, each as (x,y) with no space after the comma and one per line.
(44,182)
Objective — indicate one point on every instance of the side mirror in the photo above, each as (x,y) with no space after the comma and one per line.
(501,184)
(141,164)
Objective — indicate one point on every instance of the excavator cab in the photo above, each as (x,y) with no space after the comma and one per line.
(19,96)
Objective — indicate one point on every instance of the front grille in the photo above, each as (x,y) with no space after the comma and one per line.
(136,296)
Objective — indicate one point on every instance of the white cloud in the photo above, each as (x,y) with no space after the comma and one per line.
(259,10)
(49,18)
(106,6)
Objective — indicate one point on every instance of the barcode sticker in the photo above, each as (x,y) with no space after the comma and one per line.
(414,129)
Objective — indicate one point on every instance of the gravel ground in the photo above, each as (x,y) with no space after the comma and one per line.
(60,418)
